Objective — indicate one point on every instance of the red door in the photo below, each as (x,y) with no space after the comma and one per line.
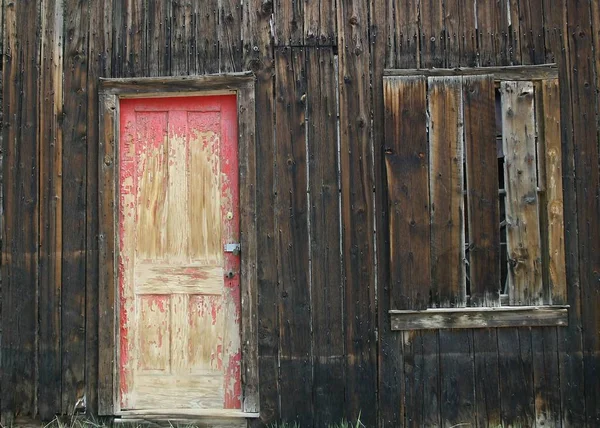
(178,272)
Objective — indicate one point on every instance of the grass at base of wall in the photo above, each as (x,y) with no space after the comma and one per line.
(91,422)
(343,424)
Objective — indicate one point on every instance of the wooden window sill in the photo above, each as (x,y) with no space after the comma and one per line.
(502,316)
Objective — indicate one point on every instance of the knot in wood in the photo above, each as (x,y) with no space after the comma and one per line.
(353,20)
(530,198)
(267,7)
(254,64)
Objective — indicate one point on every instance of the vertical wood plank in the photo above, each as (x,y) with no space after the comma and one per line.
(326,266)
(157,28)
(432,33)
(570,344)
(592,295)
(492,33)
(206,36)
(181,25)
(74,129)
(407,33)
(514,31)
(522,202)
(258,57)
(487,382)
(553,186)
(385,19)
(288,22)
(134,35)
(358,226)
(250,250)
(460,32)
(292,237)
(516,376)
(546,377)
(390,357)
(50,170)
(407,178)
(422,377)
(319,22)
(532,31)
(108,135)
(584,81)
(446,182)
(482,190)
(457,378)
(230,41)
(98,66)
(487,35)
(21,211)
(117,50)
(312,15)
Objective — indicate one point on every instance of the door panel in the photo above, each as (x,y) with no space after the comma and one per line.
(178,207)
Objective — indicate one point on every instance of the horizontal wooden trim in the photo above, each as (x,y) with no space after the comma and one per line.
(185,413)
(184,85)
(514,72)
(174,422)
(502,316)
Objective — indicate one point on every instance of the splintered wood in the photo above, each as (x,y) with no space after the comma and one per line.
(522,202)
(179,313)
(455,151)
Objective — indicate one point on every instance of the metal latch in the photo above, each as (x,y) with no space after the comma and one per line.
(235,248)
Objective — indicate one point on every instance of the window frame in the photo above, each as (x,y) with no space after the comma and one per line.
(110,92)
(484,316)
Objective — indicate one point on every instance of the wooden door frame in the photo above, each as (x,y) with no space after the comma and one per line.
(110,92)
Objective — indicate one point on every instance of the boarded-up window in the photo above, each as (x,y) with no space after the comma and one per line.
(474,184)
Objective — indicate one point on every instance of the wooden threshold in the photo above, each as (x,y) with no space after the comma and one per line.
(206,422)
(185,413)
(502,316)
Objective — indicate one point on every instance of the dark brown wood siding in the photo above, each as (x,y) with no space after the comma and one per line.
(326,351)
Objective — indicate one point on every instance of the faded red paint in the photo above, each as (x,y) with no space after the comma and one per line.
(231,234)
(145,133)
(233,390)
(160,302)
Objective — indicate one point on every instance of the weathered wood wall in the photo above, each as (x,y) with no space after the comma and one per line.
(326,349)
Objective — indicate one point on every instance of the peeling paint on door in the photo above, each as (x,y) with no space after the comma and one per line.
(179,311)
